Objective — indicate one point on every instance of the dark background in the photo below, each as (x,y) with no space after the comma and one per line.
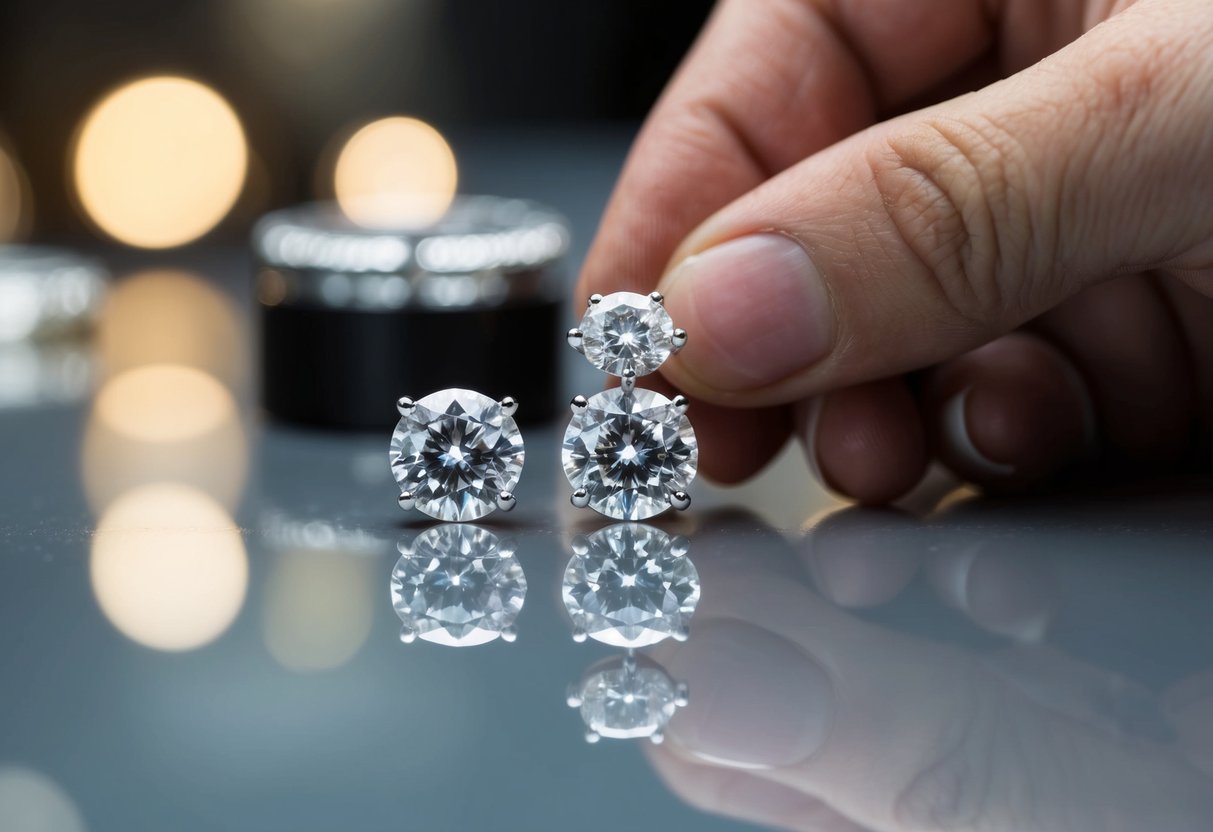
(300,71)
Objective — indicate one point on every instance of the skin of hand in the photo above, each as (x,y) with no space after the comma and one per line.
(978,231)
(805,716)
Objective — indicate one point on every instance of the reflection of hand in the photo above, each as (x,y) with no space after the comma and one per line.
(806,717)
(1076,196)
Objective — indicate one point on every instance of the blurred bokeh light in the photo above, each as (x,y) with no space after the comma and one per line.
(168,567)
(15,210)
(318,607)
(164,403)
(396,172)
(32,802)
(171,316)
(159,162)
(164,422)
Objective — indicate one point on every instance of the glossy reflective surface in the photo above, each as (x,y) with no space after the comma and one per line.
(197,629)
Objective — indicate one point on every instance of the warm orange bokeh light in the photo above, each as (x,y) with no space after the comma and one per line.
(164,403)
(319,607)
(14,196)
(168,567)
(170,316)
(395,173)
(159,162)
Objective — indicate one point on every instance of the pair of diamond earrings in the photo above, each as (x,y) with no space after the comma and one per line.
(629,453)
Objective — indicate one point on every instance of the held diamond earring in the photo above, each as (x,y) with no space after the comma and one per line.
(629,453)
(456,454)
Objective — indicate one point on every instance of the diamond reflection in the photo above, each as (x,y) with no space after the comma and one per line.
(630,585)
(627,697)
(457,585)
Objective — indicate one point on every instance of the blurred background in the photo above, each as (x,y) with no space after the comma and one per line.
(281,87)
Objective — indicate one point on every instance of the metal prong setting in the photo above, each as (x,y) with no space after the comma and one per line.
(657,297)
(509,405)
(680,500)
(595,299)
(573,697)
(404,405)
(591,736)
(506,501)
(657,737)
(406,500)
(681,634)
(580,498)
(628,380)
(579,634)
(579,404)
(682,695)
(576,339)
(407,634)
(679,339)
(509,634)
(580,546)
(681,403)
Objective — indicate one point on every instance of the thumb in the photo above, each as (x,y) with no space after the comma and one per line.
(935,232)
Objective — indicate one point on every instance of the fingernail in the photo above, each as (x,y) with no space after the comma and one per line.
(956,434)
(756,308)
(757,699)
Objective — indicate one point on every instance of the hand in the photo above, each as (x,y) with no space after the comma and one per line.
(1040,249)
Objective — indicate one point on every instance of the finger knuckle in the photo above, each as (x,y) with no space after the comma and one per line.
(952,191)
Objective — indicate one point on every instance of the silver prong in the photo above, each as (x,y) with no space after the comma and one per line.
(627,380)
(407,634)
(506,501)
(573,697)
(681,633)
(578,405)
(595,299)
(509,634)
(509,405)
(679,546)
(657,737)
(576,339)
(579,634)
(580,498)
(657,297)
(679,339)
(682,695)
(406,500)
(580,546)
(681,403)
(680,500)
(404,404)
(591,736)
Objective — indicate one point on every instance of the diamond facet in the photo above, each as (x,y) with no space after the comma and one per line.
(626,330)
(456,585)
(454,452)
(624,699)
(630,451)
(630,585)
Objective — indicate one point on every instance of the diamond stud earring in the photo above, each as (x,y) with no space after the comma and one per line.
(629,453)
(627,697)
(456,454)
(457,585)
(630,585)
